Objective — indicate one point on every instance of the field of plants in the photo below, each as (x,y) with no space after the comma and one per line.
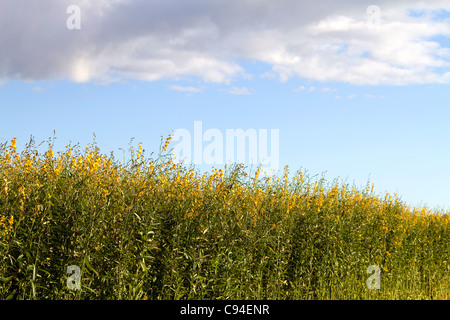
(154,229)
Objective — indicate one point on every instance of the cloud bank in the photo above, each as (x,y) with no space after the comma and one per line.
(149,40)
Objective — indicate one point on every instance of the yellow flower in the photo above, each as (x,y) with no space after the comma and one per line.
(6,186)
(22,191)
(50,154)
(166,144)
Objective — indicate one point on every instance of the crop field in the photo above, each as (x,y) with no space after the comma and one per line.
(151,228)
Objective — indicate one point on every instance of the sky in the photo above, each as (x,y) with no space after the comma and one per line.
(352,90)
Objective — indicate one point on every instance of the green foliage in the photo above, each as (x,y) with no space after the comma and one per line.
(154,229)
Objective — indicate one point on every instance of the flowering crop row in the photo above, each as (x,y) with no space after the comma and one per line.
(156,229)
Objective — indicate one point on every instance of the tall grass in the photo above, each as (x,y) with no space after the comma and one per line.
(155,229)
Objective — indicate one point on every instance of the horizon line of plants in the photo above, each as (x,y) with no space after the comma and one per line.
(155,229)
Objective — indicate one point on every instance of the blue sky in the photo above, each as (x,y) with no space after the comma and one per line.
(355,107)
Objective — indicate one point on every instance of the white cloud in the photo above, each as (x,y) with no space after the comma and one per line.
(301,88)
(328,89)
(313,89)
(269,75)
(354,95)
(186,89)
(240,91)
(81,70)
(151,40)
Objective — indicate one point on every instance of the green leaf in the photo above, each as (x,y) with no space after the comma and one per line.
(11,295)
(7,279)
(144,268)
(89,266)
